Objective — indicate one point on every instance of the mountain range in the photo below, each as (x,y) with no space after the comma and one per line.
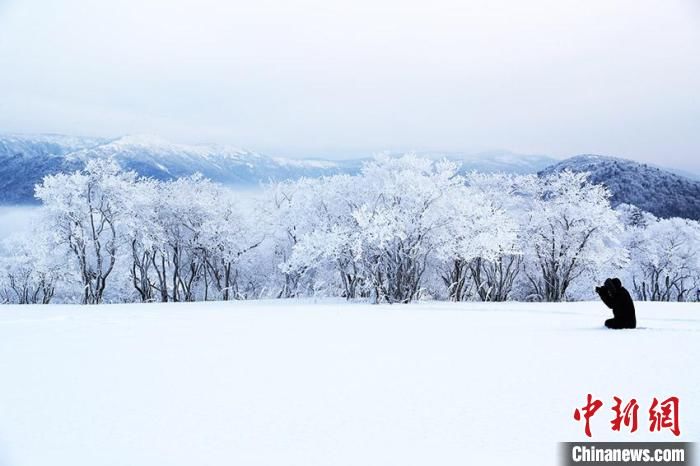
(661,192)
(26,159)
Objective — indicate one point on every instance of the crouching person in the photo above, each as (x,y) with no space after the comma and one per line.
(617,298)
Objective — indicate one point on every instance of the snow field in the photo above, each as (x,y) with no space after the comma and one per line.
(329,383)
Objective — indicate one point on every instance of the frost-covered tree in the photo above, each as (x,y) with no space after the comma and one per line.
(475,231)
(29,270)
(84,209)
(182,210)
(187,238)
(570,227)
(145,237)
(400,223)
(375,230)
(402,228)
(292,209)
(326,235)
(494,270)
(665,260)
(229,232)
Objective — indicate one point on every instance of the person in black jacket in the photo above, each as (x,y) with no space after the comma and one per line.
(617,298)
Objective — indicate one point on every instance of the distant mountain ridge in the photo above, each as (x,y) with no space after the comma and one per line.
(661,192)
(26,159)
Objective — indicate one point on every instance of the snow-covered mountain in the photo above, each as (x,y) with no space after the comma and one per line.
(659,191)
(25,160)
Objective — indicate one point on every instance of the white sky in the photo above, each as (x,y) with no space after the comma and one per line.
(333,78)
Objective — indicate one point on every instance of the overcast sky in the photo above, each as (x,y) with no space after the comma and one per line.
(333,78)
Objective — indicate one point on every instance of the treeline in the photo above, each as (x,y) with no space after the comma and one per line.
(403,229)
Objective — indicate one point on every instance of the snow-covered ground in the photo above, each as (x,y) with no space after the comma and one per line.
(328,383)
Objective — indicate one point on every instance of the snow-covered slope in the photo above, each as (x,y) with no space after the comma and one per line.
(296,383)
(160,159)
(658,191)
(25,160)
